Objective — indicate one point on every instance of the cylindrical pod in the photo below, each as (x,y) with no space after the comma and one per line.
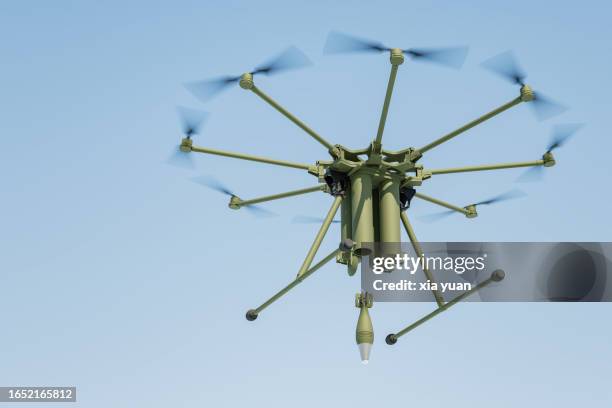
(346,231)
(389,214)
(361,205)
(346,223)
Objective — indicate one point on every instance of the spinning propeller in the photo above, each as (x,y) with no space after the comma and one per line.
(305,219)
(191,120)
(509,195)
(338,43)
(506,66)
(561,134)
(217,186)
(291,58)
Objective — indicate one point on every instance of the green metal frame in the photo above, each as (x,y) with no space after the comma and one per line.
(419,253)
(370,194)
(236,202)
(496,276)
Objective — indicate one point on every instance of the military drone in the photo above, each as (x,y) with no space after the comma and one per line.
(371,187)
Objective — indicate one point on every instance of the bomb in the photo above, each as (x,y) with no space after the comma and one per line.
(364,333)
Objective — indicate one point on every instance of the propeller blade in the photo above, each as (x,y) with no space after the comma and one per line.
(213,184)
(506,66)
(436,216)
(510,195)
(207,89)
(453,57)
(191,120)
(339,43)
(544,108)
(304,219)
(259,211)
(561,134)
(291,58)
(531,175)
(181,159)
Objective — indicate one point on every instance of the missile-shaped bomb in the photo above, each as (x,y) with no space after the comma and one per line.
(364,333)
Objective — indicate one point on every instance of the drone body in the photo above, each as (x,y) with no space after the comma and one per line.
(371,187)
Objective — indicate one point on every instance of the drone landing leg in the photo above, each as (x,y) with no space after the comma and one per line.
(304,271)
(419,252)
(253,313)
(496,276)
(320,235)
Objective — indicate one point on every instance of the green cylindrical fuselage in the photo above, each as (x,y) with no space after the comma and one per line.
(346,223)
(362,218)
(389,211)
(375,208)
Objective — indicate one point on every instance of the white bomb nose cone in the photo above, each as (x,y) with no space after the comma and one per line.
(364,352)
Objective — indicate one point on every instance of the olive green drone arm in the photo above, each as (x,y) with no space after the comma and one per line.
(246,82)
(442,203)
(524,97)
(419,252)
(329,218)
(485,167)
(496,276)
(249,157)
(397,58)
(239,203)
(252,314)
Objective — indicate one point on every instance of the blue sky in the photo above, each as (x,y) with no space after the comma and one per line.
(127,280)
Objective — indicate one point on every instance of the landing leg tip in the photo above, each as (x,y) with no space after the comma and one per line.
(251,315)
(498,275)
(391,339)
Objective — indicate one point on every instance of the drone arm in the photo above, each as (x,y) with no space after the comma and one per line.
(295,282)
(385,110)
(392,338)
(320,235)
(249,157)
(442,203)
(252,201)
(292,118)
(488,167)
(470,125)
(419,252)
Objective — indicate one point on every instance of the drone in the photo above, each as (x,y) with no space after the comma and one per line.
(371,187)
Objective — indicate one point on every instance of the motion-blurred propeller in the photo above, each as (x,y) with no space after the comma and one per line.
(561,134)
(304,219)
(291,58)
(438,216)
(512,194)
(191,121)
(216,185)
(509,195)
(339,43)
(506,66)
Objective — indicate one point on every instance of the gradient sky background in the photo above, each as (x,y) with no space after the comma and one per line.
(122,277)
